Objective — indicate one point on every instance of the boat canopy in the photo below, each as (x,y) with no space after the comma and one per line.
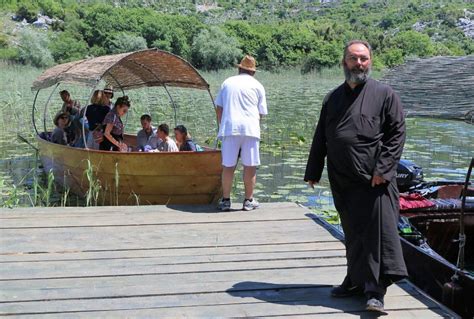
(130,70)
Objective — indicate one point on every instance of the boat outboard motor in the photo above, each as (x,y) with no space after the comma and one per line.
(408,175)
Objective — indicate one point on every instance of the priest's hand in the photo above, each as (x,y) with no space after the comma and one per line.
(312,183)
(377,180)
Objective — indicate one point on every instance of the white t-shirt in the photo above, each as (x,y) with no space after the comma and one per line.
(242,99)
(168,145)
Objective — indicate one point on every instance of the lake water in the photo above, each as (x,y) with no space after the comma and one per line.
(442,147)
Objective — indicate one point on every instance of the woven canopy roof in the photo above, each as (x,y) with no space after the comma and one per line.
(126,70)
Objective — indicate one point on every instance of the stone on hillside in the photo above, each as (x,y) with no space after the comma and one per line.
(467,26)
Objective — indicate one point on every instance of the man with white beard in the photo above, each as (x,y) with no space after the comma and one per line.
(361,131)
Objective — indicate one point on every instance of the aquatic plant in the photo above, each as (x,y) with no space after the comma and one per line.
(117,182)
(10,197)
(49,188)
(137,198)
(65,194)
(94,188)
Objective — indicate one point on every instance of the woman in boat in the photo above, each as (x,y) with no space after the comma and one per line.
(62,121)
(95,115)
(113,132)
(183,139)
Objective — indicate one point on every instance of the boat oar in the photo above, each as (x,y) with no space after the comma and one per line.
(21,138)
(453,291)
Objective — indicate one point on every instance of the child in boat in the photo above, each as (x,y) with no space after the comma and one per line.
(167,144)
(183,139)
(62,121)
(147,138)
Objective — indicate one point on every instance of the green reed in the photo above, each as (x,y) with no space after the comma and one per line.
(49,188)
(137,198)
(65,194)
(10,198)
(117,182)
(93,191)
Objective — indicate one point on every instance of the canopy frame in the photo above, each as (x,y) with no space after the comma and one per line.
(82,73)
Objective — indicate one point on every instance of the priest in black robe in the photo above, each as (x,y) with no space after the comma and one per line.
(361,132)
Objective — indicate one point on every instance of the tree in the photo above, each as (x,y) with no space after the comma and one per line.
(66,47)
(392,57)
(124,42)
(27,10)
(33,48)
(413,43)
(326,55)
(213,49)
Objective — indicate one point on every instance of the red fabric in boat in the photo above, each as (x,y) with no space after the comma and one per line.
(411,201)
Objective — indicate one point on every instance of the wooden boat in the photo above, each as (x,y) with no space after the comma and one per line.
(130,178)
(431,248)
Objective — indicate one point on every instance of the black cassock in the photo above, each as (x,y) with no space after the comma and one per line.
(362,133)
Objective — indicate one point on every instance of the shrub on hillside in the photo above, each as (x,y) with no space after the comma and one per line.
(33,48)
(65,47)
(392,57)
(327,54)
(96,51)
(124,42)
(51,8)
(10,54)
(213,49)
(413,43)
(27,10)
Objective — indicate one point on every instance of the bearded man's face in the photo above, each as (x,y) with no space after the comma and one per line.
(357,64)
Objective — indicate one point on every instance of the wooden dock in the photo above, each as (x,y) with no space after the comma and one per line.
(170,262)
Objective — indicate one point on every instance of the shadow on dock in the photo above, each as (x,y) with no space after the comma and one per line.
(301,295)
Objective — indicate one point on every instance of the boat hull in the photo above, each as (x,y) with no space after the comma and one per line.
(430,272)
(431,264)
(135,177)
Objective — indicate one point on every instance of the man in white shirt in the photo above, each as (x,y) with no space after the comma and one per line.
(147,138)
(240,105)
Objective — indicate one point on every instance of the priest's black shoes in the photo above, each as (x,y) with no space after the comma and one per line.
(346,289)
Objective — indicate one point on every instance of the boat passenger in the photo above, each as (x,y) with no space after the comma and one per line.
(62,121)
(147,136)
(167,144)
(109,94)
(95,115)
(113,132)
(76,128)
(71,106)
(183,139)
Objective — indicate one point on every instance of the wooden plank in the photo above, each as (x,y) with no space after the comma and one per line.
(73,222)
(267,209)
(80,239)
(174,264)
(315,296)
(259,305)
(276,248)
(393,314)
(166,283)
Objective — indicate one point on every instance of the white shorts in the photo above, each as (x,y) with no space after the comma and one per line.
(247,146)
